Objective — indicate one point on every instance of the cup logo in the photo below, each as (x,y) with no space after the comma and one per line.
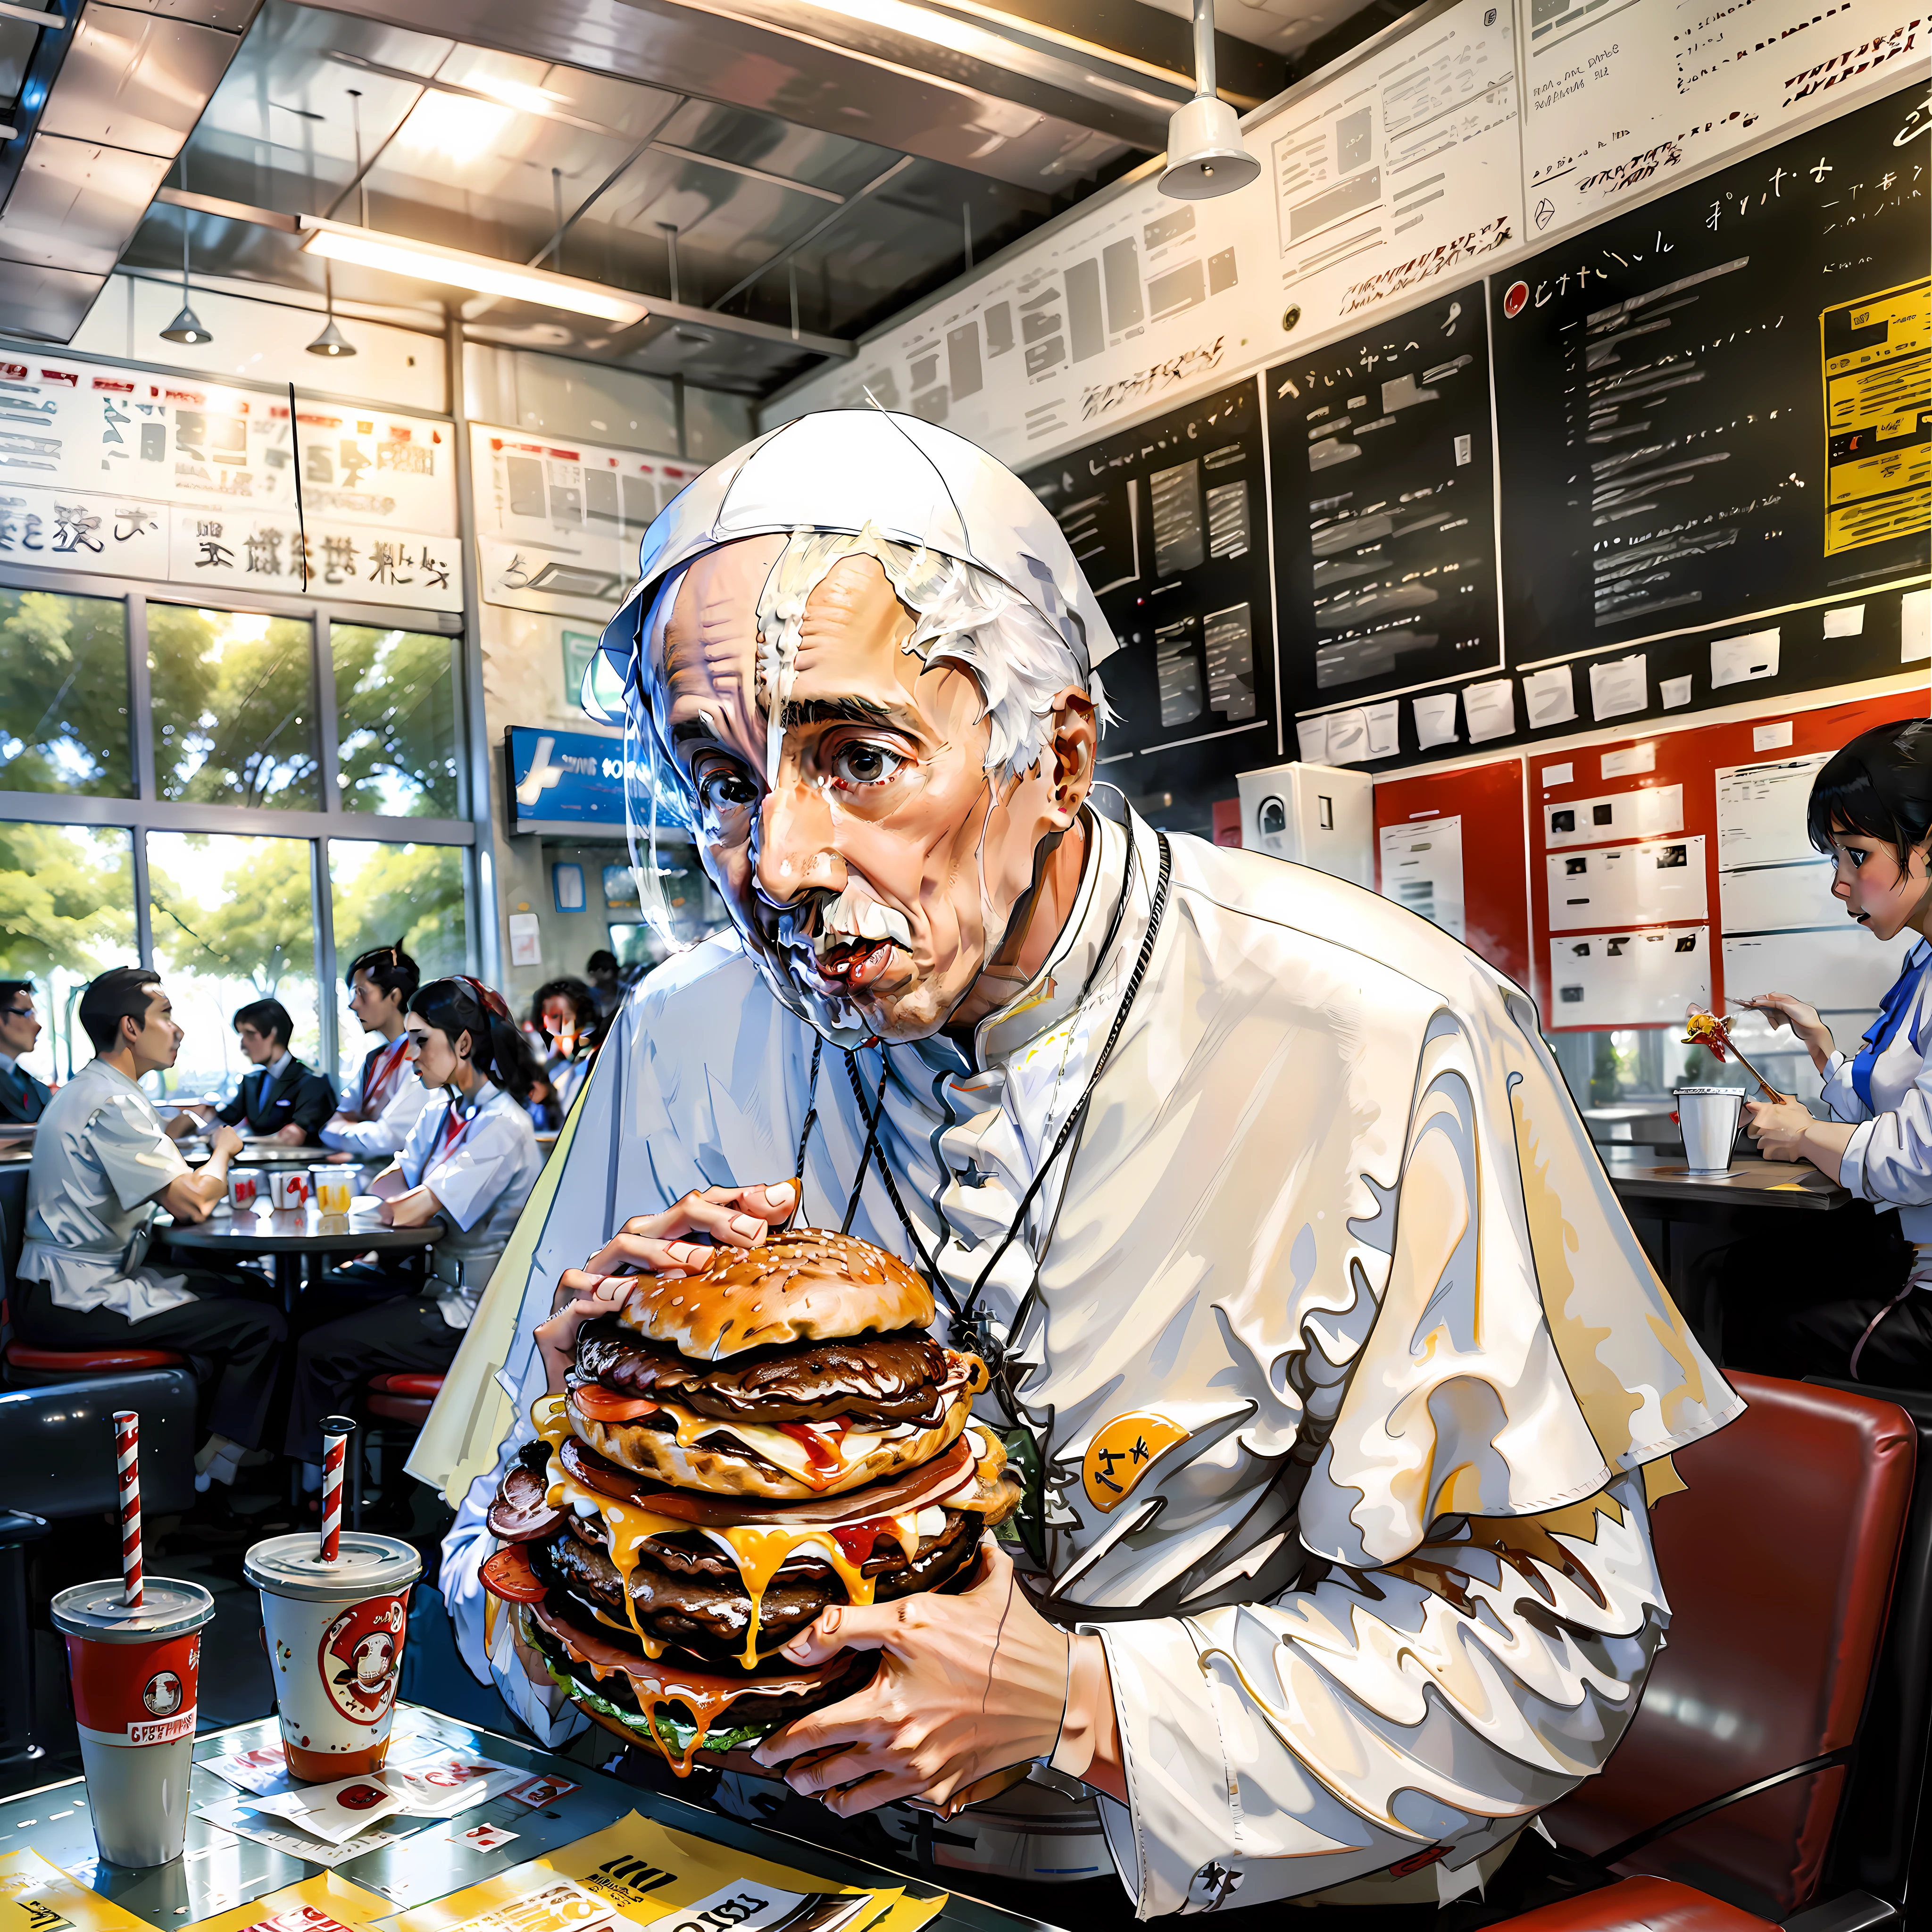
(359,1797)
(359,1658)
(162,1693)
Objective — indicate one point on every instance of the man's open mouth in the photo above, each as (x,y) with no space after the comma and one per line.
(854,963)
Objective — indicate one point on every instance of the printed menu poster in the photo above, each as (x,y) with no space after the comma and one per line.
(325,1904)
(128,473)
(642,1873)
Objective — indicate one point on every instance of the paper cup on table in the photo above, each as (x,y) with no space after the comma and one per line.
(335,1633)
(1708,1117)
(288,1186)
(245,1190)
(334,1186)
(134,1672)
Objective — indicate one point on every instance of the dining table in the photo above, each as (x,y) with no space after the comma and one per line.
(300,1241)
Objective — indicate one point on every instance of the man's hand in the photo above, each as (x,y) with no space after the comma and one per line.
(734,1217)
(291,1136)
(557,1339)
(226,1143)
(968,1684)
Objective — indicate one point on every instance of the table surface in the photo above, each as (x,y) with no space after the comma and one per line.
(220,1870)
(296,1231)
(1751,1182)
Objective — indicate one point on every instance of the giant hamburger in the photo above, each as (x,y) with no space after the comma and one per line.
(736,1450)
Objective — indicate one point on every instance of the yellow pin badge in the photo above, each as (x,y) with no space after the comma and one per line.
(1123,1451)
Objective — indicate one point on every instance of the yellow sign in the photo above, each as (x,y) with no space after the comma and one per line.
(1122,1452)
(1876,353)
(647,1874)
(326,1904)
(37,1896)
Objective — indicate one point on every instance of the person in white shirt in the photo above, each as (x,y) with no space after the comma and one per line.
(379,1108)
(1342,1383)
(1871,810)
(103,1165)
(471,1158)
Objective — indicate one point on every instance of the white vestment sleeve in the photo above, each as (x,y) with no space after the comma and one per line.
(1282,1747)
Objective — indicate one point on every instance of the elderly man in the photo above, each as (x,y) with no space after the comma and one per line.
(1345,1386)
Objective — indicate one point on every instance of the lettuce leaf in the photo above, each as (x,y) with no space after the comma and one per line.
(673,1737)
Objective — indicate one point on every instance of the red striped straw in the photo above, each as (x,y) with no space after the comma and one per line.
(335,1433)
(128,1474)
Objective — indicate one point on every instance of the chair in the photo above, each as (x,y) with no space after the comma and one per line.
(404,1399)
(1779,1564)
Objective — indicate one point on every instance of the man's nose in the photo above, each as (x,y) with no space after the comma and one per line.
(795,843)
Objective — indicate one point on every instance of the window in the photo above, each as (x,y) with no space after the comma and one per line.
(234,707)
(67,912)
(63,715)
(234,922)
(397,726)
(408,896)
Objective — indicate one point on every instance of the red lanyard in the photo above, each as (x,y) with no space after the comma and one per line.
(377,1081)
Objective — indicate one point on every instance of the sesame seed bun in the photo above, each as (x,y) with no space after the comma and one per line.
(805,1285)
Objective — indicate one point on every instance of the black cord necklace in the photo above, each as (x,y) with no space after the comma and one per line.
(969,1326)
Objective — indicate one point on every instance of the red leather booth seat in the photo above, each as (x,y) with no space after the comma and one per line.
(84,1361)
(1641,1905)
(1778,1565)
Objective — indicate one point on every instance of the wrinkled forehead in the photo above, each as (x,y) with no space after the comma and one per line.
(710,647)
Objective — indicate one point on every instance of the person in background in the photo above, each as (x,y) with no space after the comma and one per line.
(1871,811)
(566,1013)
(606,980)
(103,1164)
(379,1110)
(521,1075)
(472,1158)
(283,1099)
(22,1097)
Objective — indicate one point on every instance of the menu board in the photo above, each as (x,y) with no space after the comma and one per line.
(1168,522)
(1620,97)
(1719,405)
(1394,173)
(126,473)
(558,524)
(1384,529)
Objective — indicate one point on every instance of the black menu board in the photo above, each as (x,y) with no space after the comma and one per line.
(1167,520)
(1384,506)
(1717,405)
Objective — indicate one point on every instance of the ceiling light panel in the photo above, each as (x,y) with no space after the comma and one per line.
(453,268)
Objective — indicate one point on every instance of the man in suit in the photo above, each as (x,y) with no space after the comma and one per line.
(23,1098)
(282,1098)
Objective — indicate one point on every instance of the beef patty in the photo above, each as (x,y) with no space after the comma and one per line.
(693,1596)
(876,1378)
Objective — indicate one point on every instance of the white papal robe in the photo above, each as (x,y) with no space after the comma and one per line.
(1343,1361)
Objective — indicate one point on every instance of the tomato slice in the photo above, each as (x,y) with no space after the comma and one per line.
(595,1403)
(508,1574)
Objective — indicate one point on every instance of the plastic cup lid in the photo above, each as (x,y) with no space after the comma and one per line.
(170,1607)
(1680,1091)
(369,1565)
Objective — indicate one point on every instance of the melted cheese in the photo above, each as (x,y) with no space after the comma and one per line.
(839,1451)
(759,1551)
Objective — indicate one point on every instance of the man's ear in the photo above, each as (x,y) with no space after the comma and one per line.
(1071,747)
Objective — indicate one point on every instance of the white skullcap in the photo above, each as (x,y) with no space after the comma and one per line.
(913,482)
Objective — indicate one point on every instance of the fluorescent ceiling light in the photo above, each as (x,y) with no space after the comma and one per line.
(426,263)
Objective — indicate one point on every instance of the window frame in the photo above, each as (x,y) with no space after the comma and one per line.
(148,812)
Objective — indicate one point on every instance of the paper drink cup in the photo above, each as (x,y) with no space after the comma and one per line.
(1709,1117)
(289,1186)
(244,1189)
(334,1186)
(135,1674)
(335,1633)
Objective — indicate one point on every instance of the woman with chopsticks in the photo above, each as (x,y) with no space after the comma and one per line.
(1871,811)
